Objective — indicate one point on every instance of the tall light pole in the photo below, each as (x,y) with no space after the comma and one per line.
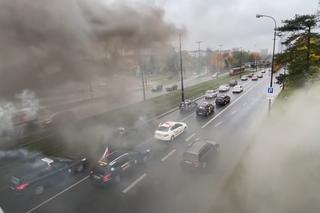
(220,45)
(274,44)
(181,69)
(199,43)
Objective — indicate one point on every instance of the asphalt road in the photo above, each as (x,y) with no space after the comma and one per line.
(162,186)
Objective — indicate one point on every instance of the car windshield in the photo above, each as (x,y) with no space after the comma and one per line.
(163,129)
(190,156)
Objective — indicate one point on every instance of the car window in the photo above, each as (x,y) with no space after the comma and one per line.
(205,151)
(190,156)
(122,160)
(163,129)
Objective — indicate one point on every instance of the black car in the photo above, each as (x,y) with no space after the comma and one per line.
(35,176)
(116,165)
(157,88)
(187,106)
(223,100)
(233,83)
(205,109)
(199,154)
(172,88)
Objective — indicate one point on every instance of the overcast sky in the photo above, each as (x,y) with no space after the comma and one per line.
(232,23)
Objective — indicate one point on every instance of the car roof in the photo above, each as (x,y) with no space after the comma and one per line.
(168,124)
(203,103)
(196,147)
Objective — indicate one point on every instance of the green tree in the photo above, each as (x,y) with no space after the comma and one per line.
(303,50)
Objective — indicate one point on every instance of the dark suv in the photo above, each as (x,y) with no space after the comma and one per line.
(199,154)
(116,165)
(223,100)
(205,109)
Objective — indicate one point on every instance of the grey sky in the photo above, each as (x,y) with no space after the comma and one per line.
(232,23)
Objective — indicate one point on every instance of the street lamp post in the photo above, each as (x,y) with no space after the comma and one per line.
(274,44)
(181,69)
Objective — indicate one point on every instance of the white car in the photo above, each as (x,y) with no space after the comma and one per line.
(244,78)
(210,94)
(237,89)
(224,88)
(169,130)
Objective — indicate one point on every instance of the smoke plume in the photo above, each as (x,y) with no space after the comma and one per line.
(45,43)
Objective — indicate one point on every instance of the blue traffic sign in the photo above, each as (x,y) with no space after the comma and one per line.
(270,90)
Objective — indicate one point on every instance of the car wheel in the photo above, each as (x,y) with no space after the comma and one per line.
(80,168)
(39,190)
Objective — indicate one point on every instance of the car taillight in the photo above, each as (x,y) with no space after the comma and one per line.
(106,178)
(22,186)
(195,163)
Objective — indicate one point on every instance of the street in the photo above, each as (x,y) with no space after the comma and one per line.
(162,186)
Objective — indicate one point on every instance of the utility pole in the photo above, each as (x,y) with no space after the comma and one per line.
(220,45)
(199,43)
(181,69)
(142,77)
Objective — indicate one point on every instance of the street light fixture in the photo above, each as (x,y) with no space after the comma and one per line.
(274,43)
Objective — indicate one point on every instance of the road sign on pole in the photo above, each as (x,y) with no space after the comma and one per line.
(270,90)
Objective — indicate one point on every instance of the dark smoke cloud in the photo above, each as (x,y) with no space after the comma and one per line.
(45,42)
(19,154)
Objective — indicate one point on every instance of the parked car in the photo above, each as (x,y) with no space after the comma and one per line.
(205,109)
(250,75)
(187,106)
(172,88)
(232,83)
(223,100)
(199,154)
(260,75)
(157,88)
(210,94)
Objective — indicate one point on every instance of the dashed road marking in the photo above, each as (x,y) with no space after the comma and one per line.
(58,194)
(191,136)
(134,183)
(218,124)
(233,112)
(168,155)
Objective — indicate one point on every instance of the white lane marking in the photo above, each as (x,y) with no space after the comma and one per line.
(191,136)
(168,155)
(58,194)
(134,183)
(212,119)
(218,124)
(233,112)
(187,117)
(245,103)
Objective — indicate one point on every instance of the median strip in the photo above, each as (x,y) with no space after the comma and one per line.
(168,155)
(134,183)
